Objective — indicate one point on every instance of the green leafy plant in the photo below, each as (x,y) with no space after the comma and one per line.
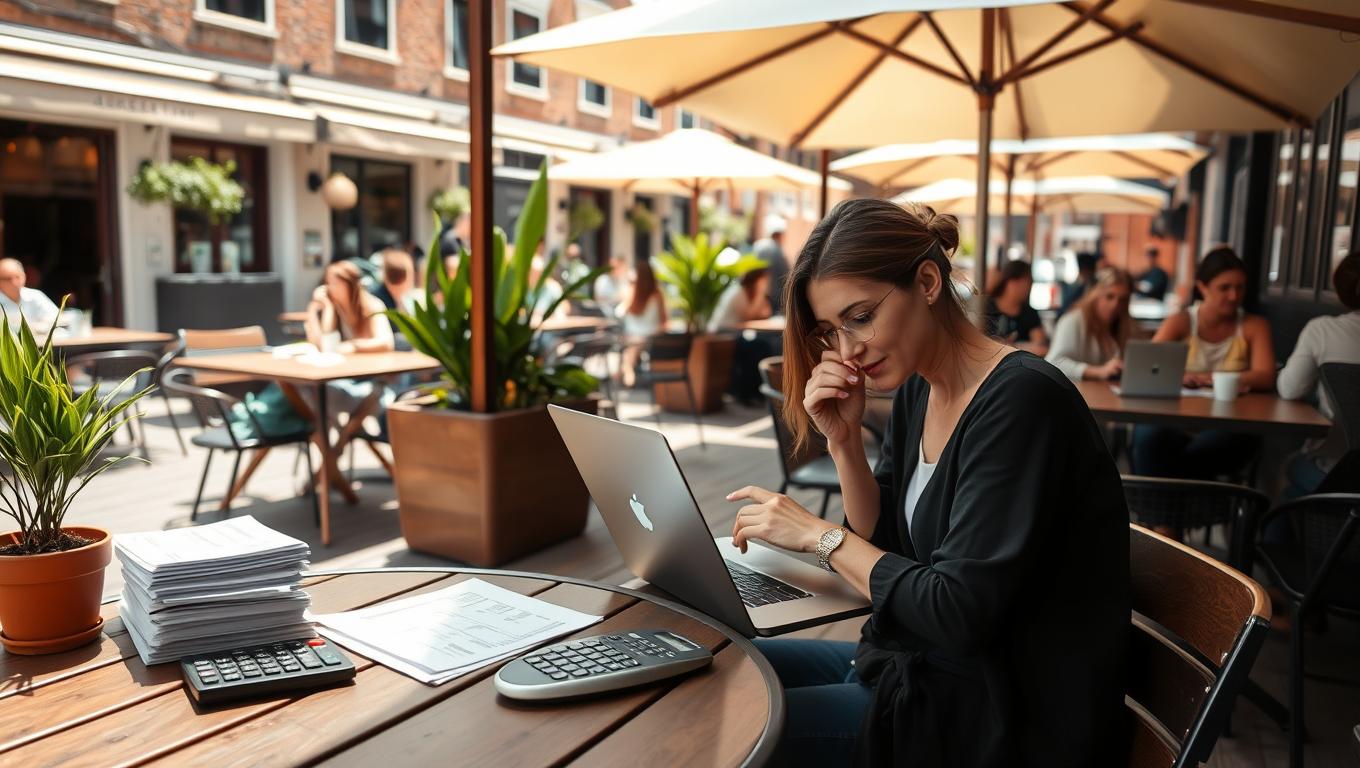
(51,440)
(585,216)
(442,327)
(698,277)
(734,228)
(642,218)
(449,204)
(197,185)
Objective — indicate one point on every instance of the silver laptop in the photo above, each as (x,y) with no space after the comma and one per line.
(656,524)
(1153,369)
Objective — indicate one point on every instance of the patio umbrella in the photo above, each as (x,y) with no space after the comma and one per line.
(1078,194)
(858,73)
(688,161)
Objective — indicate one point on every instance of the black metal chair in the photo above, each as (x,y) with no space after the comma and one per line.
(1341,383)
(108,370)
(583,349)
(1184,505)
(1197,627)
(1318,571)
(216,411)
(162,365)
(668,348)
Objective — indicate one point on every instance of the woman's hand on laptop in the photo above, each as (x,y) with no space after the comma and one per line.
(776,520)
(1197,380)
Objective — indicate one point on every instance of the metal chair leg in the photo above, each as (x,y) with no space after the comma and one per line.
(235,467)
(656,409)
(1296,727)
(694,409)
(311,485)
(784,487)
(826,499)
(202,481)
(170,411)
(141,433)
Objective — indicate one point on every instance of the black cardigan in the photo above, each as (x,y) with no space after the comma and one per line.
(1000,623)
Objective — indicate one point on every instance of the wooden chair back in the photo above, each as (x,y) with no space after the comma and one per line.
(242,339)
(1197,627)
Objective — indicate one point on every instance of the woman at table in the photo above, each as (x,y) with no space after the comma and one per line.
(340,305)
(992,538)
(746,300)
(1010,317)
(1324,339)
(642,311)
(1088,343)
(1220,336)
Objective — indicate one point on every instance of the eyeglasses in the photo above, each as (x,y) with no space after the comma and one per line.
(859,327)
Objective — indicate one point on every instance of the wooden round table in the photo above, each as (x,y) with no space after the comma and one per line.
(99,705)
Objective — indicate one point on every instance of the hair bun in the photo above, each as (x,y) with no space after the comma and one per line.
(944,226)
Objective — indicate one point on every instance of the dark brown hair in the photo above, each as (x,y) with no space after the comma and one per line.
(351,307)
(1218,260)
(1346,280)
(1011,271)
(644,287)
(862,239)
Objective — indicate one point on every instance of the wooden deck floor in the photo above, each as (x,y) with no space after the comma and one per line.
(740,451)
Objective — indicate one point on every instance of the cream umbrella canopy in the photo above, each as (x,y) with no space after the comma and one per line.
(689,161)
(1078,194)
(858,73)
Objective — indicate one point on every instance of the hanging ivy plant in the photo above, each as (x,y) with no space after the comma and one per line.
(584,216)
(643,219)
(451,203)
(197,185)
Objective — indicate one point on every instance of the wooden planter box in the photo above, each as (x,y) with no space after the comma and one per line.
(710,373)
(484,488)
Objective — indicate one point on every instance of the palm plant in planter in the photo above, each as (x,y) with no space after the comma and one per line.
(698,277)
(51,575)
(461,477)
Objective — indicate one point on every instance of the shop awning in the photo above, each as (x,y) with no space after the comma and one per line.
(391,135)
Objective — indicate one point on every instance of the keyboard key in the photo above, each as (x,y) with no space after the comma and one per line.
(558,675)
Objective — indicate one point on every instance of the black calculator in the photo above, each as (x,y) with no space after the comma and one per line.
(264,670)
(600,664)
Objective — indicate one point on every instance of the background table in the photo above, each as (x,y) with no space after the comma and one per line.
(101,338)
(99,705)
(290,373)
(1255,412)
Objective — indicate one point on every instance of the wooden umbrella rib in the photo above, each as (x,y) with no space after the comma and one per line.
(859,79)
(1015,89)
(907,57)
(948,46)
(1275,108)
(917,163)
(1039,164)
(1280,13)
(730,72)
(1060,36)
(1034,69)
(1162,173)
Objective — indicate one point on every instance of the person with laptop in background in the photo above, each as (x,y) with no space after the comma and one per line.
(992,538)
(1088,343)
(1221,336)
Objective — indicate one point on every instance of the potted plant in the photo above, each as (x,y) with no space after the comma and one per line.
(698,278)
(450,204)
(51,575)
(584,217)
(642,218)
(463,481)
(197,185)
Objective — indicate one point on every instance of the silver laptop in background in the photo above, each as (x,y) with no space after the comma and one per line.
(1153,369)
(651,514)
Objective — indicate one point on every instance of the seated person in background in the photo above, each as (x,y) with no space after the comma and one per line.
(1153,282)
(341,305)
(642,311)
(549,293)
(609,287)
(1010,317)
(1070,293)
(398,289)
(1323,340)
(1088,343)
(19,301)
(744,300)
(1221,337)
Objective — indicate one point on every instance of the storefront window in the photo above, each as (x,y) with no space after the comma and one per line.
(368,22)
(382,217)
(1343,207)
(240,244)
(522,24)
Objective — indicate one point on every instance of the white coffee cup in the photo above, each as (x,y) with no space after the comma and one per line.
(1226,384)
(330,342)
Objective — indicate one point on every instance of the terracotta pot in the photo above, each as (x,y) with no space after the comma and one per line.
(710,373)
(50,603)
(484,488)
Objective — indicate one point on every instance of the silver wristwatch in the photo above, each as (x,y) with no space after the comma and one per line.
(827,544)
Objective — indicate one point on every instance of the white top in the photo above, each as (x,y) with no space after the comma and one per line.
(1074,349)
(731,309)
(1323,340)
(917,484)
(34,305)
(647,323)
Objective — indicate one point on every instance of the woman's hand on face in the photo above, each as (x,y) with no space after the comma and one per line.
(834,399)
(777,520)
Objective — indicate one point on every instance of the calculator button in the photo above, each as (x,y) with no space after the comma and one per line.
(631,663)
(568,667)
(549,670)
(310,662)
(579,673)
(231,676)
(559,675)
(252,672)
(596,669)
(294,667)
(533,659)
(316,642)
(614,665)
(272,671)
(576,646)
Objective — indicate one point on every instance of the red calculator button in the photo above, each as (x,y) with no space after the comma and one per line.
(315,642)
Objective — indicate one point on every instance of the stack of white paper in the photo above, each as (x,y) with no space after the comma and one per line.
(211,588)
(438,636)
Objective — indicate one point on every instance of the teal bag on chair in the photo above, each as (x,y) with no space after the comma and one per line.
(272,412)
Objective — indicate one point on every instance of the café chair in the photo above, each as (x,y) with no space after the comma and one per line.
(1197,626)
(216,412)
(249,338)
(108,370)
(1341,382)
(1319,572)
(162,365)
(602,346)
(668,348)
(1184,505)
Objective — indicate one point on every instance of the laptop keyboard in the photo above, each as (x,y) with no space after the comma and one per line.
(757,589)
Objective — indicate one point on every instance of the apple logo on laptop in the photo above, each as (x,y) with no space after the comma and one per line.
(640,512)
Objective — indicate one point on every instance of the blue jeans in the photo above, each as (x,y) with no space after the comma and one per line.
(1166,452)
(824,698)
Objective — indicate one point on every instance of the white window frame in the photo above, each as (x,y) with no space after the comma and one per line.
(267,28)
(386,55)
(680,113)
(450,71)
(591,108)
(653,123)
(538,10)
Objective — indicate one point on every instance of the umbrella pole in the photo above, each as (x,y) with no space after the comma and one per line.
(694,211)
(1010,179)
(825,198)
(985,100)
(479,122)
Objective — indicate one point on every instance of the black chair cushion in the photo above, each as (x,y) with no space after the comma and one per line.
(218,439)
(1286,565)
(818,473)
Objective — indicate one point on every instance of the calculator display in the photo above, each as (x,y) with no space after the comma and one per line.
(673,642)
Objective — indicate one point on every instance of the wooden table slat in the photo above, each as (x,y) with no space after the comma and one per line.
(319,724)
(358,365)
(492,730)
(692,725)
